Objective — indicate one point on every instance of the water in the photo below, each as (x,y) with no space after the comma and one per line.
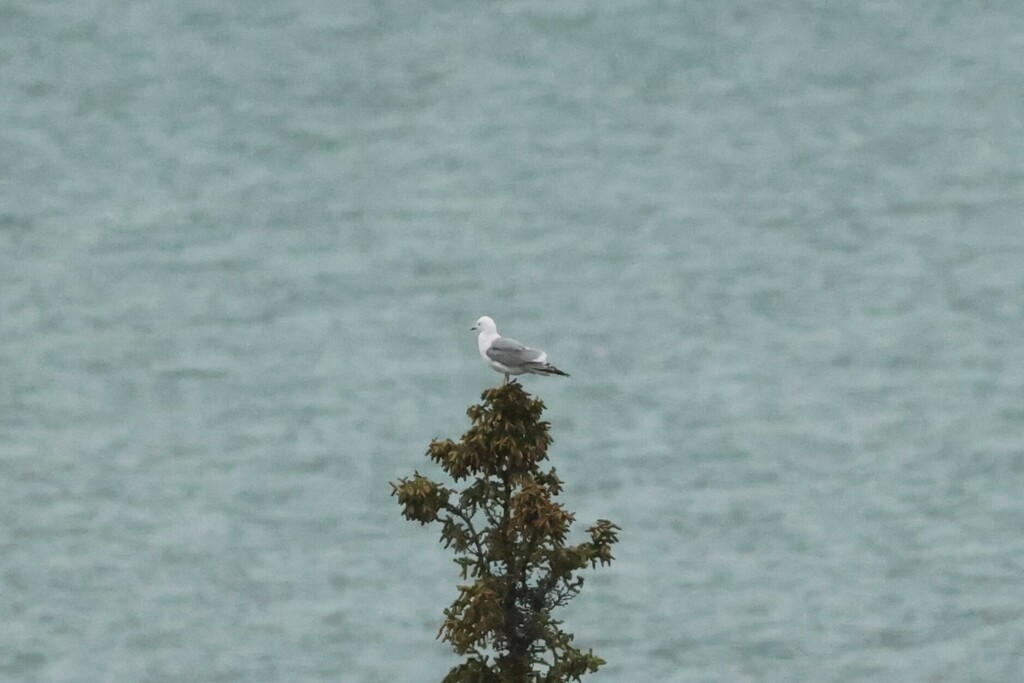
(777,245)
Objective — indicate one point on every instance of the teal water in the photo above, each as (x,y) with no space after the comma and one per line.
(778,245)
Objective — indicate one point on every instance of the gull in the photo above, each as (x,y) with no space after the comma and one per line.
(509,356)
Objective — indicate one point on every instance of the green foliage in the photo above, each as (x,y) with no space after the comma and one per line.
(509,539)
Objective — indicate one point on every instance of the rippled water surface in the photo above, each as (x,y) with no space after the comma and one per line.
(779,247)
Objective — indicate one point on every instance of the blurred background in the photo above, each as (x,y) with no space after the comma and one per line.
(777,244)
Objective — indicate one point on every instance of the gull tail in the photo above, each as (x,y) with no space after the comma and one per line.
(547,369)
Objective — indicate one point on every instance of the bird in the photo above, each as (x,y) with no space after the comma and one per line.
(509,356)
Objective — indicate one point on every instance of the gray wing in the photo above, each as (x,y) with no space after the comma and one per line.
(511,353)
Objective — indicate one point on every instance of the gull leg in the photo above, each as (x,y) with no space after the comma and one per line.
(506,379)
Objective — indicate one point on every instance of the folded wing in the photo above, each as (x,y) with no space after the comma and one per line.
(512,354)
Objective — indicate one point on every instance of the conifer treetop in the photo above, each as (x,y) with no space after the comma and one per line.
(509,536)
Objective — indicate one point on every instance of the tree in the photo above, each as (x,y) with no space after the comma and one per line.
(509,538)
